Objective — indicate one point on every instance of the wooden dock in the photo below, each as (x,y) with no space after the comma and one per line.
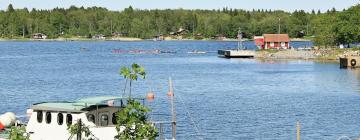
(350,62)
(237,53)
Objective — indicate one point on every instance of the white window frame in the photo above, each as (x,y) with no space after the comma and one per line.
(272,44)
(282,44)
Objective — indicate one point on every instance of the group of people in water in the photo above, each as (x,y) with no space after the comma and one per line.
(156,51)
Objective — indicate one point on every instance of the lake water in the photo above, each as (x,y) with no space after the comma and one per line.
(216,98)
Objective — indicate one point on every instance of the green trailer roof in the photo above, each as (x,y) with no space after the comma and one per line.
(78,105)
(101,99)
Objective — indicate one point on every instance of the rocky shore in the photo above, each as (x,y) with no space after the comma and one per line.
(321,54)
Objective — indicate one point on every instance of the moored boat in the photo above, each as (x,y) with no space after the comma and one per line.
(50,120)
(197,52)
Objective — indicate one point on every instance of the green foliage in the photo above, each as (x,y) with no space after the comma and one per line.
(133,72)
(329,28)
(19,133)
(132,123)
(132,120)
(79,127)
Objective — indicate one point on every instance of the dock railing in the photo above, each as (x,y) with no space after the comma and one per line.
(164,128)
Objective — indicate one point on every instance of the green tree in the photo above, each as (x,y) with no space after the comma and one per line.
(132,123)
(132,120)
(132,74)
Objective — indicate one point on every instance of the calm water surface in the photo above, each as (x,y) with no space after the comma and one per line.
(226,98)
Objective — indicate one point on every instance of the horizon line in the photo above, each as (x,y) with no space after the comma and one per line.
(178,8)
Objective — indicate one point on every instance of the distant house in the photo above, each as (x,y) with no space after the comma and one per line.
(179,34)
(172,33)
(38,36)
(219,37)
(259,42)
(117,34)
(273,41)
(199,36)
(98,36)
(159,37)
(181,31)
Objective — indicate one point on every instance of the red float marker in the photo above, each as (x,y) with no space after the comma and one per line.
(2,127)
(150,96)
(170,94)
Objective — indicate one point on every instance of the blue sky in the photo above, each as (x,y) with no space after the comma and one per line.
(287,5)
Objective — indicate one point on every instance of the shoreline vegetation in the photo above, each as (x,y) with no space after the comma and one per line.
(133,39)
(324,28)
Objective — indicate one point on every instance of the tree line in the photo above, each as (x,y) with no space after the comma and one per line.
(328,28)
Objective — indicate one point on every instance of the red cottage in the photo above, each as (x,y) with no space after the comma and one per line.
(276,41)
(259,42)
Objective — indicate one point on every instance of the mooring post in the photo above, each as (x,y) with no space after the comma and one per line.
(161,131)
(173,114)
(79,130)
(298,130)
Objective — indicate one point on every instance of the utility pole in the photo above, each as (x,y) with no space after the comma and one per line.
(23,31)
(239,38)
(37,26)
(110,26)
(279,26)
(307,29)
(60,28)
(90,28)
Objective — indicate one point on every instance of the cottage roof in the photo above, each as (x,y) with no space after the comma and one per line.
(276,38)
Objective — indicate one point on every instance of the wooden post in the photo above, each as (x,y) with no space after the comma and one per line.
(297,130)
(173,114)
(78,135)
(161,131)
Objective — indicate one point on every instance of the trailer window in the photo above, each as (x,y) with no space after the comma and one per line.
(104,120)
(39,116)
(91,118)
(48,117)
(69,119)
(60,118)
(114,118)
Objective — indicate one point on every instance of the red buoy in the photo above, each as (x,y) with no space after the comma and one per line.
(1,126)
(170,93)
(150,96)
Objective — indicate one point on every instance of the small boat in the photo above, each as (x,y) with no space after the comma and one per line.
(7,120)
(50,120)
(83,49)
(167,51)
(197,52)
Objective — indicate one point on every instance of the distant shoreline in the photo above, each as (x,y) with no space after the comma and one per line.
(131,39)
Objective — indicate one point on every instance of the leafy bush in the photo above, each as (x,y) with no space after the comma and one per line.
(132,123)
(18,133)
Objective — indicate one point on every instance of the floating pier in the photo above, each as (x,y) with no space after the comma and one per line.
(236,53)
(240,52)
